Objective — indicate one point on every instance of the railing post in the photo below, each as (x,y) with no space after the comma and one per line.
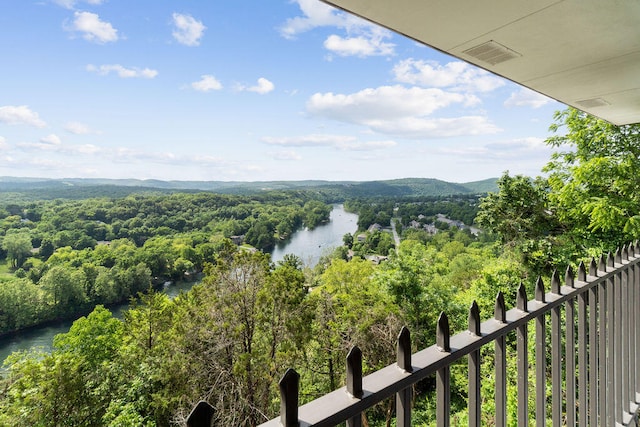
(403,398)
(541,360)
(474,369)
(618,337)
(556,356)
(289,385)
(593,348)
(354,381)
(523,360)
(634,301)
(501,365)
(602,344)
(443,375)
(570,342)
(611,331)
(582,350)
(632,322)
(626,335)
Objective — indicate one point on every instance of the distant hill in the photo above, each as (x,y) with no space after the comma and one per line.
(79,188)
(489,185)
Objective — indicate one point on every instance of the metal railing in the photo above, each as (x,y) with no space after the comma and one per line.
(595,373)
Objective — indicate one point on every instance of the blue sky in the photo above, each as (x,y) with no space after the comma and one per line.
(248,91)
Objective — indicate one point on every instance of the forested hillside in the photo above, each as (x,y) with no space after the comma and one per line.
(22,189)
(230,339)
(67,256)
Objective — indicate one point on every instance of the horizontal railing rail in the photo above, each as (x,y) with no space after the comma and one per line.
(595,373)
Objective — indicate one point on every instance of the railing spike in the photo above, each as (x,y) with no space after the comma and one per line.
(474,319)
(625,252)
(500,311)
(618,256)
(555,283)
(521,298)
(289,385)
(582,272)
(632,249)
(404,349)
(602,263)
(201,415)
(593,268)
(540,290)
(636,248)
(610,260)
(354,372)
(443,333)
(568,277)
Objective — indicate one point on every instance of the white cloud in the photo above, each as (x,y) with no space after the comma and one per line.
(93,28)
(315,14)
(358,46)
(340,142)
(14,115)
(384,103)
(123,72)
(422,127)
(77,128)
(455,75)
(264,86)
(188,30)
(362,38)
(400,111)
(3,143)
(287,155)
(206,83)
(70,4)
(51,139)
(527,98)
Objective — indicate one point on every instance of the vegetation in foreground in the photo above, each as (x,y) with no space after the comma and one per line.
(232,336)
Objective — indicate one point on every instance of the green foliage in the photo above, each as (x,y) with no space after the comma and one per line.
(17,244)
(593,179)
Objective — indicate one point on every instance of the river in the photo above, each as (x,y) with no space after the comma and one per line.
(309,245)
(42,337)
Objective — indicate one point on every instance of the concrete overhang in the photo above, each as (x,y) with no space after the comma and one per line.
(583,53)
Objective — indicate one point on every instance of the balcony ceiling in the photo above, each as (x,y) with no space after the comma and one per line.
(583,53)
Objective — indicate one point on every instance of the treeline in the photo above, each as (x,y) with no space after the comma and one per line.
(68,256)
(27,189)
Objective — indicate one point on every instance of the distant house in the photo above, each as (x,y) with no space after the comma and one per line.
(376,259)
(374,227)
(362,237)
(451,222)
(431,229)
(415,224)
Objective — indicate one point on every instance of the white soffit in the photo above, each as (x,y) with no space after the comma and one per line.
(583,53)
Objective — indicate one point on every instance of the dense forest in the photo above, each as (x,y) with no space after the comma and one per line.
(65,256)
(232,336)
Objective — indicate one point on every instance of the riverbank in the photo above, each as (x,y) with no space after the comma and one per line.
(41,336)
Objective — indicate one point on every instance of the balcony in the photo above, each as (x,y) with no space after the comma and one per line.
(586,351)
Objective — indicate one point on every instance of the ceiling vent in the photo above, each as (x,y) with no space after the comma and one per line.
(592,103)
(492,53)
